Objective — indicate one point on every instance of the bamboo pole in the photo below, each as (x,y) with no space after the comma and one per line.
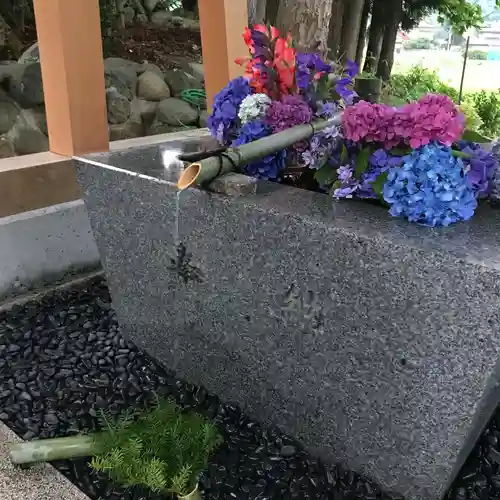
(47,450)
(208,169)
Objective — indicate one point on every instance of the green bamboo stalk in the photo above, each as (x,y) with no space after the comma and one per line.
(208,169)
(47,450)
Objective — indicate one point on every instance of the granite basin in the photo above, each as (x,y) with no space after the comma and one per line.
(374,341)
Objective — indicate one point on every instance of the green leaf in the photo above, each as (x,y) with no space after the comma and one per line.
(400,151)
(335,185)
(473,136)
(344,155)
(325,175)
(460,154)
(362,161)
(378,184)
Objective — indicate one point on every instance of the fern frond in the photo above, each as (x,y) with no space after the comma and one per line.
(181,482)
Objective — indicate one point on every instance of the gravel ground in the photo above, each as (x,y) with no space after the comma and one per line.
(62,359)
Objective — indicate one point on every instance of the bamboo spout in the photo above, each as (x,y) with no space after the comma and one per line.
(208,169)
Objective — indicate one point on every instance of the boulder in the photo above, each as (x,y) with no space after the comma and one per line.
(176,112)
(119,63)
(7,71)
(148,111)
(124,80)
(32,54)
(158,127)
(132,128)
(26,86)
(7,149)
(26,136)
(151,4)
(39,117)
(9,111)
(203,120)
(152,87)
(153,68)
(196,70)
(118,106)
(179,80)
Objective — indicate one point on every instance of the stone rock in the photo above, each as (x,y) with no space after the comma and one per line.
(197,70)
(148,111)
(129,14)
(124,80)
(40,118)
(176,112)
(32,54)
(132,128)
(26,86)
(204,115)
(234,184)
(151,4)
(153,68)
(26,136)
(152,87)
(179,80)
(158,127)
(7,149)
(120,63)
(7,70)
(164,18)
(118,106)
(9,111)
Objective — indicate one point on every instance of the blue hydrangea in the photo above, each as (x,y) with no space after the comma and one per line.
(224,122)
(269,167)
(430,188)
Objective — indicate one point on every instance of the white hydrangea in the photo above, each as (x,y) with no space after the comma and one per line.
(253,107)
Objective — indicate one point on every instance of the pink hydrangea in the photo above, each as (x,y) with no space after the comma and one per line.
(433,118)
(368,122)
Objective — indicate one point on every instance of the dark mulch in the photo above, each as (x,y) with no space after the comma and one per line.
(166,47)
(63,358)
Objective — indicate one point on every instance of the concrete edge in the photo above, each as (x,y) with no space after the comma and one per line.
(38,482)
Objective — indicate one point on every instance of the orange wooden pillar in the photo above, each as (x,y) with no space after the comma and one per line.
(222,23)
(69,38)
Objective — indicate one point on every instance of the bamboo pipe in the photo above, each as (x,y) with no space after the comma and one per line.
(208,169)
(47,450)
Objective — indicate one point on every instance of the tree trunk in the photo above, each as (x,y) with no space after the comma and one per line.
(335,29)
(12,41)
(256,11)
(272,11)
(376,36)
(307,20)
(351,21)
(386,60)
(363,28)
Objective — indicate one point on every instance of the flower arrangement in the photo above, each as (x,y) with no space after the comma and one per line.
(281,88)
(417,159)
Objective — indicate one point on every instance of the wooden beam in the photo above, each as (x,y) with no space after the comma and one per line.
(222,23)
(69,38)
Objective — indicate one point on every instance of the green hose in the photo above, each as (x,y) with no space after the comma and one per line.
(195,97)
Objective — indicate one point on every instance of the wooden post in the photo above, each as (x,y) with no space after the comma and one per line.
(69,38)
(222,23)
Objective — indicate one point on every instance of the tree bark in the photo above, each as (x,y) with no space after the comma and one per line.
(351,21)
(256,11)
(335,29)
(307,20)
(386,60)
(363,29)
(376,36)
(272,11)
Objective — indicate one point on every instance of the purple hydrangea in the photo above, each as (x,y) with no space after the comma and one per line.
(380,161)
(430,188)
(344,85)
(270,167)
(223,122)
(290,111)
(480,167)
